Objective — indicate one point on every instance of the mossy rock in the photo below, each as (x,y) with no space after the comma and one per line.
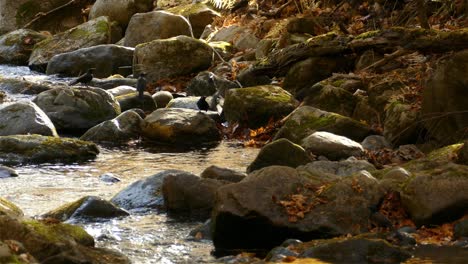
(306,119)
(16,46)
(38,149)
(199,15)
(8,208)
(333,99)
(60,232)
(255,106)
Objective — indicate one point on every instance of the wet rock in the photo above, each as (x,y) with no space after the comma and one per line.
(122,90)
(248,214)
(255,106)
(145,193)
(400,126)
(305,120)
(437,193)
(332,99)
(162,98)
(207,83)
(223,174)
(109,178)
(356,250)
(119,10)
(77,108)
(189,195)
(92,33)
(172,57)
(241,37)
(10,209)
(461,229)
(16,46)
(105,59)
(87,208)
(202,231)
(129,101)
(123,128)
(7,172)
(332,169)
(38,149)
(145,27)
(112,82)
(310,71)
(189,102)
(21,86)
(280,152)
(375,142)
(180,126)
(46,241)
(25,117)
(332,146)
(198,14)
(446,93)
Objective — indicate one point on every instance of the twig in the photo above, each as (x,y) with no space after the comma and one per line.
(41,14)
(399,52)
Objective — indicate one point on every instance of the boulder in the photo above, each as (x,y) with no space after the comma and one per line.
(256,106)
(198,14)
(241,37)
(7,172)
(189,102)
(401,124)
(162,98)
(145,193)
(354,250)
(92,33)
(305,120)
(119,10)
(180,126)
(105,59)
(24,117)
(207,83)
(332,99)
(273,204)
(280,152)
(375,142)
(86,208)
(223,174)
(446,92)
(56,242)
(122,90)
(123,128)
(145,27)
(172,57)
(16,46)
(189,195)
(332,169)
(37,149)
(312,70)
(131,100)
(77,108)
(332,146)
(437,194)
(10,209)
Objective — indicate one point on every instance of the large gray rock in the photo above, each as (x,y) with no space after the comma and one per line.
(77,108)
(256,106)
(241,37)
(190,195)
(113,82)
(145,27)
(132,100)
(122,90)
(260,211)
(171,57)
(162,98)
(305,120)
(332,146)
(39,149)
(25,117)
(180,126)
(198,14)
(123,128)
(119,10)
(145,193)
(105,59)
(16,46)
(189,102)
(444,100)
(92,33)
(332,169)
(86,208)
(280,152)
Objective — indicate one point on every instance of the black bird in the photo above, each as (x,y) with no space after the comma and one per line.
(202,104)
(85,78)
(141,85)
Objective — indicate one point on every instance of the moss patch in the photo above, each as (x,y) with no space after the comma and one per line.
(59,232)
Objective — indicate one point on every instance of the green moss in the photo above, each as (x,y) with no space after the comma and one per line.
(446,153)
(338,83)
(7,207)
(368,34)
(102,26)
(27,11)
(60,232)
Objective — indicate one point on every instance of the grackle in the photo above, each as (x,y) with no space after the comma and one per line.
(141,85)
(202,104)
(85,78)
